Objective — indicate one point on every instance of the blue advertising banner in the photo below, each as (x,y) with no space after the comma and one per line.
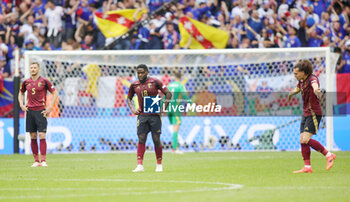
(196,134)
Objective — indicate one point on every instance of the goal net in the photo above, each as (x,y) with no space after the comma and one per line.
(250,85)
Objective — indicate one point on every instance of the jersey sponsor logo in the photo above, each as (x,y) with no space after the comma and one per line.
(151,104)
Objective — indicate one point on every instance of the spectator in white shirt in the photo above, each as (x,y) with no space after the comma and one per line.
(53,20)
(27,29)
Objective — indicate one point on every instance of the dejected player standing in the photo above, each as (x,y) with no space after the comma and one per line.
(147,122)
(36,113)
(308,85)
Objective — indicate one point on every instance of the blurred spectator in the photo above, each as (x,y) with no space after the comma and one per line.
(240,10)
(318,6)
(156,31)
(155,4)
(170,36)
(38,12)
(84,13)
(4,69)
(34,36)
(70,19)
(3,46)
(255,24)
(87,43)
(143,35)
(344,67)
(15,26)
(265,11)
(27,29)
(314,39)
(53,20)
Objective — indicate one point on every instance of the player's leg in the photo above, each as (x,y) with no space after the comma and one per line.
(31,128)
(305,149)
(156,129)
(176,128)
(35,150)
(41,122)
(175,120)
(142,131)
(158,150)
(43,148)
(141,148)
(312,123)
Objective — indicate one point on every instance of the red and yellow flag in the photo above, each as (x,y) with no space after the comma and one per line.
(204,36)
(116,23)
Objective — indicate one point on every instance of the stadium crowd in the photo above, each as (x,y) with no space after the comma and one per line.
(70,25)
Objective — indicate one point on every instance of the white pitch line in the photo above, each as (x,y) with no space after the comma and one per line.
(228,186)
(25,179)
(71,189)
(300,187)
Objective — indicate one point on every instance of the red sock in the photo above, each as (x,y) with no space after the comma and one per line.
(317,146)
(159,154)
(141,148)
(43,149)
(305,152)
(34,145)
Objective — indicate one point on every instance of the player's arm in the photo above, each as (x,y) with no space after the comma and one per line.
(168,96)
(21,96)
(317,90)
(131,105)
(294,92)
(54,99)
(165,91)
(20,100)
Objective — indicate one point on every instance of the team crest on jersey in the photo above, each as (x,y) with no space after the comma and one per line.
(149,85)
(138,87)
(39,84)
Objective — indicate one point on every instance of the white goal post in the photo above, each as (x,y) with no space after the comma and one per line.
(90,82)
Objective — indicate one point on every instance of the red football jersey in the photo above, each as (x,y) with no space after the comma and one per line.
(149,88)
(310,101)
(36,96)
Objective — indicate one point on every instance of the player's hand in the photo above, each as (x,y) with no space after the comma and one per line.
(136,112)
(47,112)
(24,108)
(318,93)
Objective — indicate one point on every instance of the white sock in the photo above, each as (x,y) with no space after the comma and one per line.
(328,154)
(307,166)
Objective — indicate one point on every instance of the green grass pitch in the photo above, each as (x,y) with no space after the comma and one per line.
(216,176)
